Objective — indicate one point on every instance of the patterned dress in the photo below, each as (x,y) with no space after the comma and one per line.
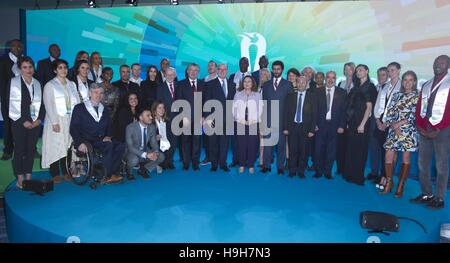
(402,107)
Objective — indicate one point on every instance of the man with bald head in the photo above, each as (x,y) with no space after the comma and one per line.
(433,121)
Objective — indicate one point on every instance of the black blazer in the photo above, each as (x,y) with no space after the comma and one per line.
(5,76)
(163,93)
(124,117)
(26,102)
(337,108)
(185,92)
(309,113)
(269,94)
(148,92)
(213,91)
(125,89)
(44,71)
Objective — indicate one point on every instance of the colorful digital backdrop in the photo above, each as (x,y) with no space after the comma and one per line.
(324,35)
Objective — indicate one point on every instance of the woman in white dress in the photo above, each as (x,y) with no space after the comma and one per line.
(60,97)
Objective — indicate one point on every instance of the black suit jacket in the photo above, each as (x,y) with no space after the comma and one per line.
(44,71)
(337,108)
(163,93)
(185,92)
(309,112)
(5,76)
(125,89)
(213,91)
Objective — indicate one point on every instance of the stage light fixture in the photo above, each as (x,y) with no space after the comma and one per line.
(132,2)
(91,4)
(174,2)
(221,1)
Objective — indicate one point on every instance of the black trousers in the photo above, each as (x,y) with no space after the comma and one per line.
(191,149)
(24,147)
(311,150)
(7,130)
(356,156)
(325,148)
(205,142)
(173,140)
(297,141)
(247,146)
(381,137)
(55,167)
(341,144)
(234,145)
(113,153)
(218,153)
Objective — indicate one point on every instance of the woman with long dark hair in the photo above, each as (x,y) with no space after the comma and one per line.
(149,86)
(164,135)
(126,115)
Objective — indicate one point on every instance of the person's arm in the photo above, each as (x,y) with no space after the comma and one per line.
(367,114)
(129,139)
(153,142)
(50,104)
(343,119)
(314,113)
(42,110)
(75,126)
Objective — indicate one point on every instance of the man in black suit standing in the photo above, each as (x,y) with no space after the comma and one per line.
(45,72)
(276,90)
(8,70)
(331,122)
(263,63)
(168,92)
(220,89)
(191,142)
(126,86)
(299,125)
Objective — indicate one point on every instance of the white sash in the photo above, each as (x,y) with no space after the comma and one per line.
(164,143)
(440,101)
(92,111)
(59,92)
(382,107)
(84,91)
(15,98)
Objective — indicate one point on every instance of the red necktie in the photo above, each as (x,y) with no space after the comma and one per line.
(193,86)
(171,89)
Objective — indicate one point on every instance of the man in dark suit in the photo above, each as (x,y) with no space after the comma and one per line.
(276,90)
(220,89)
(191,142)
(309,73)
(8,69)
(163,65)
(299,125)
(168,92)
(330,122)
(142,146)
(263,63)
(45,72)
(126,86)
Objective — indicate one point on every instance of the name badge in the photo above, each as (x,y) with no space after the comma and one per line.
(33,112)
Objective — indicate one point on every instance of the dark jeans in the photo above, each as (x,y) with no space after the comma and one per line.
(24,147)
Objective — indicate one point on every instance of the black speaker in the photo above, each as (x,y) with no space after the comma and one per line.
(38,186)
(379,221)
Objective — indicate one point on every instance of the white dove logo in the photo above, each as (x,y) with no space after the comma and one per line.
(248,40)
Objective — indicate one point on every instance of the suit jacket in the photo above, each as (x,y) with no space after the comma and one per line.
(337,108)
(125,89)
(123,118)
(44,71)
(163,93)
(5,76)
(269,94)
(213,91)
(309,112)
(134,139)
(255,75)
(83,127)
(185,92)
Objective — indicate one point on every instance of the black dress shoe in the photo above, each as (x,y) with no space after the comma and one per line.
(185,167)
(195,167)
(143,173)
(130,177)
(291,175)
(214,169)
(328,176)
(6,156)
(317,175)
(422,199)
(436,203)
(301,175)
(280,171)
(225,168)
(265,170)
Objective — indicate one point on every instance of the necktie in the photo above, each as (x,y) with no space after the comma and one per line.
(276,84)
(144,143)
(193,86)
(171,90)
(243,75)
(328,99)
(224,88)
(430,103)
(96,109)
(298,114)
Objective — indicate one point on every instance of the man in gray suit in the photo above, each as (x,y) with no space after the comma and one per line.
(142,146)
(276,90)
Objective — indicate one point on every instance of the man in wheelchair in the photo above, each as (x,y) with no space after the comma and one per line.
(142,146)
(91,124)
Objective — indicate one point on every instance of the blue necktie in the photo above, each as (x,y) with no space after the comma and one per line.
(224,88)
(298,114)
(145,139)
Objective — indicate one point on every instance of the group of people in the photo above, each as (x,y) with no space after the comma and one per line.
(131,121)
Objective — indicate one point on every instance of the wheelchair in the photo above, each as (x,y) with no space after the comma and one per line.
(84,167)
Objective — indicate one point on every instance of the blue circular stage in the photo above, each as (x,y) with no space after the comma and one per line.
(214,207)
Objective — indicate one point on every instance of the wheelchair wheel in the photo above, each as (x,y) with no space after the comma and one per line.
(79,165)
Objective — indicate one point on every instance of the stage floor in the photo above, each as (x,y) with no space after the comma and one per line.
(180,206)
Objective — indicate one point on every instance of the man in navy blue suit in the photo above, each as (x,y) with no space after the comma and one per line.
(276,90)
(220,89)
(191,142)
(263,63)
(91,123)
(45,71)
(331,122)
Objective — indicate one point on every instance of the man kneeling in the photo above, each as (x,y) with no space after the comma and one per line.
(142,145)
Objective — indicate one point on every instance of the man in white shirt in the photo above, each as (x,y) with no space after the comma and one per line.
(243,71)
(136,73)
